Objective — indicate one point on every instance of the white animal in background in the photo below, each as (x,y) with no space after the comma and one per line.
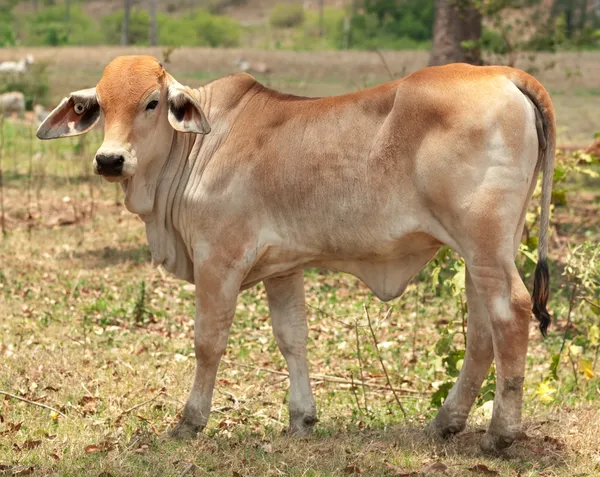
(12,102)
(245,66)
(16,67)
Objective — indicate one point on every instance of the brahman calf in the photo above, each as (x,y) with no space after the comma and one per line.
(239,184)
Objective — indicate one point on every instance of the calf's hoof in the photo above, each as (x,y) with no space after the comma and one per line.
(301,425)
(185,430)
(494,444)
(444,426)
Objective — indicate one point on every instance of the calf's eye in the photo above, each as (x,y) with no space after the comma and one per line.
(151,105)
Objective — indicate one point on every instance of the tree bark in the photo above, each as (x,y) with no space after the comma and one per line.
(456,21)
(125,28)
(153,32)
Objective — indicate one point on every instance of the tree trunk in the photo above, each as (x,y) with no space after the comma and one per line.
(68,10)
(125,28)
(456,21)
(153,33)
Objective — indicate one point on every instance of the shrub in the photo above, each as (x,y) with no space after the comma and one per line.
(49,26)
(139,24)
(285,15)
(200,29)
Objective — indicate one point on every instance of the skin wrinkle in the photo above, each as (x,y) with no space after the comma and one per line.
(371,183)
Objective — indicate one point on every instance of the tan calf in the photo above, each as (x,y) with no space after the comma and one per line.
(239,184)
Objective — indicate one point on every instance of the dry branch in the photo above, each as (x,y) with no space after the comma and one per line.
(330,379)
(39,404)
(127,411)
(387,376)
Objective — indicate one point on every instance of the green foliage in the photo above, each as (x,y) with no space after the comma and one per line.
(34,84)
(50,26)
(287,15)
(7,33)
(200,29)
(139,24)
(390,24)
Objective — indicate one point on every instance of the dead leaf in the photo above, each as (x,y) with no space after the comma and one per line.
(55,456)
(51,388)
(4,467)
(31,444)
(434,467)
(23,471)
(554,441)
(12,427)
(87,399)
(352,469)
(399,471)
(483,469)
(102,447)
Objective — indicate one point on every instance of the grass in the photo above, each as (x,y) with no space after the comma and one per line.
(89,327)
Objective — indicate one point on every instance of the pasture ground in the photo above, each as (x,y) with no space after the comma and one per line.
(90,328)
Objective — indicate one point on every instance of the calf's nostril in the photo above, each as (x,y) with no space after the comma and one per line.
(110,164)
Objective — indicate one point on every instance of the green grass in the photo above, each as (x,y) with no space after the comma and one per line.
(76,336)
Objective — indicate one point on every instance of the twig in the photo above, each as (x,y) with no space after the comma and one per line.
(392,77)
(360,366)
(321,377)
(39,404)
(591,303)
(387,376)
(127,411)
(571,303)
(354,393)
(187,469)
(2,215)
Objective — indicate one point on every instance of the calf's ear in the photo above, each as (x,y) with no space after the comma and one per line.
(185,113)
(74,115)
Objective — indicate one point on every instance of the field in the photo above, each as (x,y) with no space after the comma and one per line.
(91,329)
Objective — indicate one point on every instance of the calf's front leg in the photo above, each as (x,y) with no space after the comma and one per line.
(286,302)
(216,294)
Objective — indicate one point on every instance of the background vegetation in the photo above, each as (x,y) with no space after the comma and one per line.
(360,24)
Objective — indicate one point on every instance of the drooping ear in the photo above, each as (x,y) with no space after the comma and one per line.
(185,113)
(74,115)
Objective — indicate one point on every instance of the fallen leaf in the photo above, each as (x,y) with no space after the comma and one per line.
(92,448)
(55,456)
(352,469)
(23,471)
(31,444)
(399,471)
(483,469)
(12,427)
(554,441)
(434,467)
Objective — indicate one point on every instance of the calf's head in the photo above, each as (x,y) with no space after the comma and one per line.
(143,106)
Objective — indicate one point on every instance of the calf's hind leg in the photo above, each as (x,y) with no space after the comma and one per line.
(452,416)
(286,302)
(509,307)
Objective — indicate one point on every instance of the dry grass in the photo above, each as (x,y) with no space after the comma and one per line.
(572,78)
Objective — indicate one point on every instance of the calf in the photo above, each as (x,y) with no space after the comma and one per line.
(239,184)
